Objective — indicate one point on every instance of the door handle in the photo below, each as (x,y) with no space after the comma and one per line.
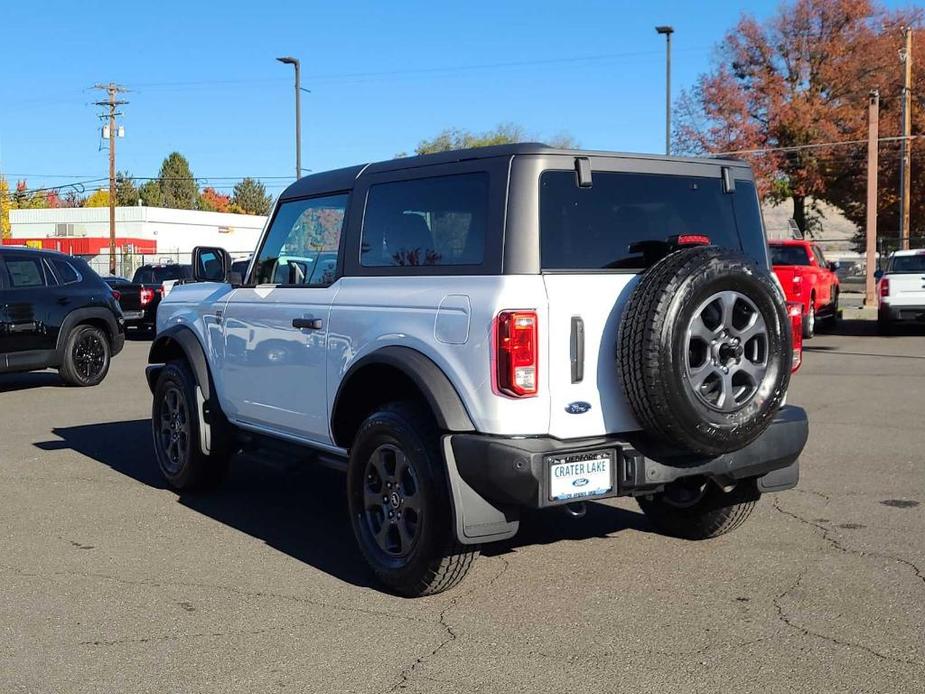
(63,300)
(307,323)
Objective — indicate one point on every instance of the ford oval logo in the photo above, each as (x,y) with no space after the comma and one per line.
(580,482)
(579,407)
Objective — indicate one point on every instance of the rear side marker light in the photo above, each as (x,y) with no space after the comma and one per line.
(795,312)
(517,353)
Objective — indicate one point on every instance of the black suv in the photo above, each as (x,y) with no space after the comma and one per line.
(56,312)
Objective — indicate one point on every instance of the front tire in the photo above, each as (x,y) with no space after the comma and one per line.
(86,357)
(399,503)
(697,509)
(175,426)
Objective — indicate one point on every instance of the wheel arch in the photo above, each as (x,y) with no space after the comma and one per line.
(95,316)
(179,342)
(397,372)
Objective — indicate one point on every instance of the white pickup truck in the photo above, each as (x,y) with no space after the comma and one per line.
(901,290)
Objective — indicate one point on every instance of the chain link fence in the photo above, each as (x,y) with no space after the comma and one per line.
(127,263)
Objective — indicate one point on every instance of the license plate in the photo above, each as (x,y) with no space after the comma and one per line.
(577,476)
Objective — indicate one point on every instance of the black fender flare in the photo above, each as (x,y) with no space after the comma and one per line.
(163,346)
(81,315)
(163,349)
(438,391)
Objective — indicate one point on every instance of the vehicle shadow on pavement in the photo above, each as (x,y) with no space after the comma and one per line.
(300,508)
(33,379)
(555,525)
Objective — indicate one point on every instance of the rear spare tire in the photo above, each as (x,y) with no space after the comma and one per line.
(704,351)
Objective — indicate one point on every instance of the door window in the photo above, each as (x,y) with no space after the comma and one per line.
(24,272)
(303,243)
(65,271)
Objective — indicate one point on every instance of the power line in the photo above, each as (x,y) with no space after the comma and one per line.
(797,148)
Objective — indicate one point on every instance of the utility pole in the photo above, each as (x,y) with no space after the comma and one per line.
(873,137)
(111,103)
(667,31)
(289,60)
(905,171)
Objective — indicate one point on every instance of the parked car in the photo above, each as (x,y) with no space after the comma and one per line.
(507,328)
(56,312)
(901,290)
(140,298)
(807,278)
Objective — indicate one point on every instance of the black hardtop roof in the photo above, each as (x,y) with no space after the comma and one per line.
(344,179)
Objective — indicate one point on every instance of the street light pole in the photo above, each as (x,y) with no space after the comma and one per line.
(667,31)
(289,60)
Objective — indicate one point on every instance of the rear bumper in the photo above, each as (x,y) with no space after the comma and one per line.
(514,472)
(890,312)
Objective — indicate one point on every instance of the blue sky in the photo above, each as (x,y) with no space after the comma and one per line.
(382,76)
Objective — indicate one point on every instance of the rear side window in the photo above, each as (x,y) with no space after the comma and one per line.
(908,263)
(65,271)
(622,220)
(23,272)
(789,255)
(427,221)
(302,245)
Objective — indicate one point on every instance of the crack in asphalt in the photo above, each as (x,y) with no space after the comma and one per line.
(209,586)
(451,634)
(789,621)
(836,544)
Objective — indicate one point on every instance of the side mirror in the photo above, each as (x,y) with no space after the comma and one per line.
(211,264)
(878,274)
(834,265)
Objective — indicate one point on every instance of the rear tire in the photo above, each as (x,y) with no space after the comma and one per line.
(399,503)
(884,326)
(809,320)
(699,509)
(175,427)
(87,354)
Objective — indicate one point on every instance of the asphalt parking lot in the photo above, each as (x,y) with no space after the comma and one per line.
(112,583)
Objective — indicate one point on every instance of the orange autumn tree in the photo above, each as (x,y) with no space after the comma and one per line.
(211,200)
(800,78)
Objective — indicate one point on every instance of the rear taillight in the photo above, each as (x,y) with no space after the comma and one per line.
(795,312)
(885,286)
(116,294)
(517,353)
(146,296)
(797,285)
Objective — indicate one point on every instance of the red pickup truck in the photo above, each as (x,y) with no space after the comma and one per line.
(807,279)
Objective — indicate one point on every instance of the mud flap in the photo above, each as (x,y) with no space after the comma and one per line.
(476,519)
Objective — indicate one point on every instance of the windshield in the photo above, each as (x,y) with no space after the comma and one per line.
(162,273)
(789,255)
(908,263)
(624,220)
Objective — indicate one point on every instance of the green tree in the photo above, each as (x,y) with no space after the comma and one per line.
(150,194)
(126,192)
(250,197)
(179,189)
(505,133)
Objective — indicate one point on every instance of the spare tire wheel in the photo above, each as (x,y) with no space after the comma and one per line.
(704,350)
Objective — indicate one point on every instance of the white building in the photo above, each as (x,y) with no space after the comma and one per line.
(149,231)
